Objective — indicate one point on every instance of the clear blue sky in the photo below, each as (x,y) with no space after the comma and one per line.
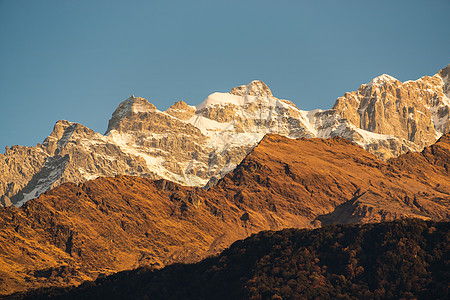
(77,60)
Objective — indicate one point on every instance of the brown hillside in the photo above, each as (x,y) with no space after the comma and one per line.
(78,232)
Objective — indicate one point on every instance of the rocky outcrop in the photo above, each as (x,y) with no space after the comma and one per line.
(133,105)
(132,221)
(18,166)
(72,153)
(255,88)
(414,111)
(181,110)
(198,145)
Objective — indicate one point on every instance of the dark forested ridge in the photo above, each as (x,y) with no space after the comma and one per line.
(402,259)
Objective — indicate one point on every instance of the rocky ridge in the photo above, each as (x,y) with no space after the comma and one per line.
(413,111)
(54,240)
(197,145)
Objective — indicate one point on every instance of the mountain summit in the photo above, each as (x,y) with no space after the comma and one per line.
(382,79)
(198,145)
(132,105)
(282,183)
(254,88)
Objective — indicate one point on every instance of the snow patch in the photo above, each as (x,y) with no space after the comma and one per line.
(381,79)
(87,175)
(446,99)
(55,168)
(308,119)
(155,163)
(372,136)
(227,169)
(222,99)
(206,124)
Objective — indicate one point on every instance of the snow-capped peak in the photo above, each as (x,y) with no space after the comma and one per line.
(382,79)
(221,99)
(254,88)
(239,95)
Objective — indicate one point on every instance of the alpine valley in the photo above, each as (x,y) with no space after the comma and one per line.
(182,185)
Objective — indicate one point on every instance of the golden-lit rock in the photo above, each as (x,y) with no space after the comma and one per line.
(198,145)
(78,232)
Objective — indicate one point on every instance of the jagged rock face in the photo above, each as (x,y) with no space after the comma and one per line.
(252,109)
(415,111)
(255,88)
(18,166)
(132,105)
(72,153)
(283,183)
(197,145)
(445,75)
(181,110)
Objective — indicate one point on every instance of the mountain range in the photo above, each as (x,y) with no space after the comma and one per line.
(78,232)
(182,185)
(198,145)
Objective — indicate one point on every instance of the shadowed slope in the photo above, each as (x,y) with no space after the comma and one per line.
(78,232)
(397,260)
